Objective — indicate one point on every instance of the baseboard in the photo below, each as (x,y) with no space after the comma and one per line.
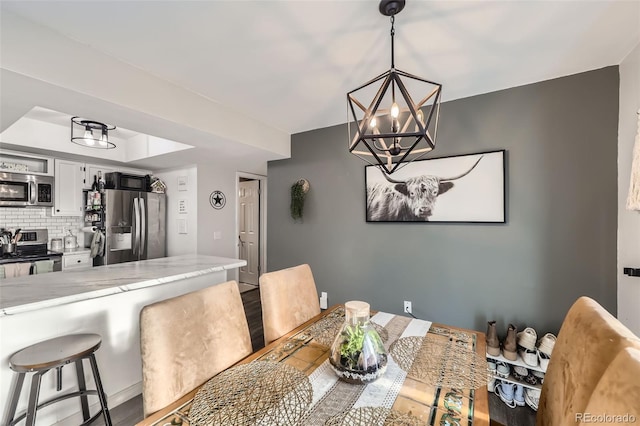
(112,402)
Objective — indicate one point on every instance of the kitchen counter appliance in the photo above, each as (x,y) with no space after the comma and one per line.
(24,190)
(135,225)
(32,247)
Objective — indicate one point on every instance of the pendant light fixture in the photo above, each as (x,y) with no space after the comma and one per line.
(94,133)
(386,126)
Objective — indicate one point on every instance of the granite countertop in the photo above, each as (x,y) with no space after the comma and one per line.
(34,292)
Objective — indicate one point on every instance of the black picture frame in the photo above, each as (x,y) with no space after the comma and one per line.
(468,188)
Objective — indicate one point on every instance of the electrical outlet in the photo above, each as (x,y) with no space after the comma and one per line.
(407,307)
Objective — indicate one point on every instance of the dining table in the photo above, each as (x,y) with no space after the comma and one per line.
(436,374)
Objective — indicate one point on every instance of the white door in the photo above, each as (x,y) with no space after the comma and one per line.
(249,228)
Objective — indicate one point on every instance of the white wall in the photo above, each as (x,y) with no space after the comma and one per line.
(177,243)
(628,221)
(221,177)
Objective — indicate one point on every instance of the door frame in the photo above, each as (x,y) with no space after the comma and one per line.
(262,214)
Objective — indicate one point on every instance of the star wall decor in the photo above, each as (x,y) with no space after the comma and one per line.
(217,200)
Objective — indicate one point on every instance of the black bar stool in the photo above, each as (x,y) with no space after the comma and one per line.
(56,353)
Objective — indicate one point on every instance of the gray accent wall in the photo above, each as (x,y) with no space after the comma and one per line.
(559,241)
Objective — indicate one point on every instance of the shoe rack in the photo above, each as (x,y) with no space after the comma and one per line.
(517,363)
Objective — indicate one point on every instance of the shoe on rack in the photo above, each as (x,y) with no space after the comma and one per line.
(532,398)
(491,384)
(493,344)
(527,338)
(506,391)
(544,360)
(518,396)
(539,375)
(520,373)
(491,366)
(509,348)
(546,344)
(530,357)
(502,370)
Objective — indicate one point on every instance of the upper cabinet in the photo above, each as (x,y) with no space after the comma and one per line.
(92,170)
(69,181)
(22,162)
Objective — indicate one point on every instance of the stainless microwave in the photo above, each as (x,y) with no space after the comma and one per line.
(24,190)
(118,180)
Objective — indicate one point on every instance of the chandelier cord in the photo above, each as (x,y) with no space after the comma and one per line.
(393,33)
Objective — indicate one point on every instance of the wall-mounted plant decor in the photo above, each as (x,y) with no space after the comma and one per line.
(299,191)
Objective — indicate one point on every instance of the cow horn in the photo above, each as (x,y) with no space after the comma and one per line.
(387,177)
(462,175)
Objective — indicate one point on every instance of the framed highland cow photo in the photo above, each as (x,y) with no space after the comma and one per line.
(462,188)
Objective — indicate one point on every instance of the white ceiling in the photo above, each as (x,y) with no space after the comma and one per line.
(289,64)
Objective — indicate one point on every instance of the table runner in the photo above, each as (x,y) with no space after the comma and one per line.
(395,390)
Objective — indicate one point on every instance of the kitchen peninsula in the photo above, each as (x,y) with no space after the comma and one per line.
(106,300)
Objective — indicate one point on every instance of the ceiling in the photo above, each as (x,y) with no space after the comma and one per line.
(289,64)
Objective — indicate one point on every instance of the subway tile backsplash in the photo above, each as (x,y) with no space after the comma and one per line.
(40,217)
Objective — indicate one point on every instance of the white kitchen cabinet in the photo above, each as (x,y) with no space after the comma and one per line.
(69,177)
(92,170)
(76,261)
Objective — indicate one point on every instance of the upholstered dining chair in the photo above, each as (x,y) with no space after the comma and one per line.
(186,340)
(618,391)
(289,298)
(590,338)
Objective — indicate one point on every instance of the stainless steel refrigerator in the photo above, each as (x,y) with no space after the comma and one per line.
(135,225)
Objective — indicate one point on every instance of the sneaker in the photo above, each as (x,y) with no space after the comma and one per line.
(518,396)
(491,384)
(539,375)
(502,370)
(546,343)
(505,391)
(530,357)
(493,344)
(527,339)
(510,347)
(544,360)
(520,373)
(532,398)
(491,366)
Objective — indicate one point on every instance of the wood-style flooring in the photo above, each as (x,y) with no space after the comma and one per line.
(130,412)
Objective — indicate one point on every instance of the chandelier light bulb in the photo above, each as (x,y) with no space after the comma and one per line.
(88,136)
(395,110)
(373,123)
(104,139)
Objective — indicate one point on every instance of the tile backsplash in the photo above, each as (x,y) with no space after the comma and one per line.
(40,217)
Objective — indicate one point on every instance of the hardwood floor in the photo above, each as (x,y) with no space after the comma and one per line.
(519,416)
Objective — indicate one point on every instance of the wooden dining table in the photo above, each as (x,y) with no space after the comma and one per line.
(436,375)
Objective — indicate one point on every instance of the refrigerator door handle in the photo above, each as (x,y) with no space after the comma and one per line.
(143,227)
(136,226)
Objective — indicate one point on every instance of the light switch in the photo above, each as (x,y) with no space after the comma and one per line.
(182,226)
(217,235)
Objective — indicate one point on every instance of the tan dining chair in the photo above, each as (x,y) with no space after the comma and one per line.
(188,339)
(589,340)
(616,397)
(289,298)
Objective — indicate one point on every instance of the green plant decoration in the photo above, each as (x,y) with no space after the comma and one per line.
(298,193)
(352,346)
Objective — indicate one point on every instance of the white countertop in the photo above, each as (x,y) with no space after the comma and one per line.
(77,250)
(33,292)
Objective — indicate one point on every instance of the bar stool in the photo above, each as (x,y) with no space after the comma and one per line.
(56,353)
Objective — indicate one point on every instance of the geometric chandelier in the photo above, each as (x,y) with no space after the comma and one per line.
(86,128)
(386,126)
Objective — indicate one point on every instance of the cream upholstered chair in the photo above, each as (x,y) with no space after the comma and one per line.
(618,391)
(289,298)
(187,339)
(589,340)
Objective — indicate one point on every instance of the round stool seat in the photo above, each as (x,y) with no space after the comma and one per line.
(54,352)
